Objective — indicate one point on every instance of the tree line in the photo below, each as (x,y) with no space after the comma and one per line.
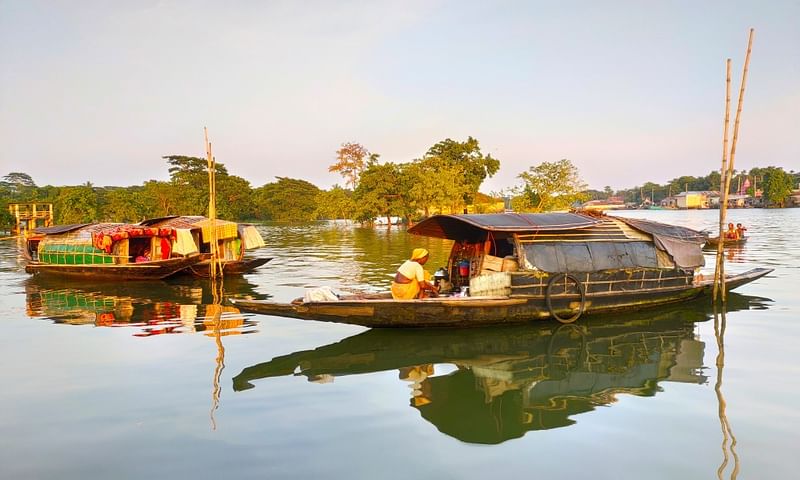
(774,184)
(446,179)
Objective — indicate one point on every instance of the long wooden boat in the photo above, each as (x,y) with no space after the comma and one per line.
(104,251)
(525,267)
(193,236)
(713,242)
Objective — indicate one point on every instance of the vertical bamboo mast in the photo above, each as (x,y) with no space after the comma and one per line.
(719,269)
(721,276)
(212,208)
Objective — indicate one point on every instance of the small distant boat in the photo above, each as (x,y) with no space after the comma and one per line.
(193,234)
(712,242)
(522,267)
(104,251)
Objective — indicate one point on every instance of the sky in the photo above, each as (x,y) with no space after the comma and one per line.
(629,91)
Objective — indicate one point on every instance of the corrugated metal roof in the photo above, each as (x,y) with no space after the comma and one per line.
(174,221)
(474,226)
(152,221)
(60,228)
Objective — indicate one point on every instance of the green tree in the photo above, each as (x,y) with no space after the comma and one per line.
(777,186)
(476,166)
(551,186)
(189,176)
(76,205)
(336,203)
(379,192)
(234,198)
(435,183)
(124,205)
(287,200)
(159,199)
(19,186)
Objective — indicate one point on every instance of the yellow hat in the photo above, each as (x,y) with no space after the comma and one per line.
(419,253)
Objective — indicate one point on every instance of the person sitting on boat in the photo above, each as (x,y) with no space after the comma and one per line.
(411,280)
(740,230)
(731,234)
(144,257)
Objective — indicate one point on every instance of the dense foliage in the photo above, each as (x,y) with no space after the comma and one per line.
(550,186)
(446,179)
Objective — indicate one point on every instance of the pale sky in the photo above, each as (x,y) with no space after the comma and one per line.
(629,91)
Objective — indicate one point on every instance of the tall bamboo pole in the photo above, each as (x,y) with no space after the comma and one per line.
(721,277)
(212,209)
(723,205)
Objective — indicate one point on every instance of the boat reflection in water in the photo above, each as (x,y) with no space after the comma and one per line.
(509,380)
(183,305)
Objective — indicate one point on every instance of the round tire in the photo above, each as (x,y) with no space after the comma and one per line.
(549,300)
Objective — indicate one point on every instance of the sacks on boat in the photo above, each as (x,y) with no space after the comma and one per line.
(321,294)
(490,284)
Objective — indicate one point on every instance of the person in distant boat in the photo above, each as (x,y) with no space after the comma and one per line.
(144,257)
(411,280)
(731,234)
(740,229)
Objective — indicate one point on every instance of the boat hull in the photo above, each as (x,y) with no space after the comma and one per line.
(132,271)
(714,242)
(478,311)
(235,267)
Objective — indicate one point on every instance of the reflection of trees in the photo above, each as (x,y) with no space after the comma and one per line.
(510,380)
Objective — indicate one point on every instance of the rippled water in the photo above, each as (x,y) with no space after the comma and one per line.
(152,380)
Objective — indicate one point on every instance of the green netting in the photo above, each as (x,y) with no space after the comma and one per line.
(73,254)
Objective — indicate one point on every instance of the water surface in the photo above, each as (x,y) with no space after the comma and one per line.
(152,380)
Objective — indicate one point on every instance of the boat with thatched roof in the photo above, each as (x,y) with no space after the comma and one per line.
(523,267)
(105,251)
(194,233)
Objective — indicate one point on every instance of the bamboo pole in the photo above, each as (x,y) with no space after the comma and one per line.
(212,209)
(723,205)
(731,159)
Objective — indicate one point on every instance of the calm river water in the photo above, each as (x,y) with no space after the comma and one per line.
(150,380)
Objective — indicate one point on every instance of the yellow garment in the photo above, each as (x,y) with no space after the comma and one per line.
(405,291)
(419,253)
(412,270)
(409,291)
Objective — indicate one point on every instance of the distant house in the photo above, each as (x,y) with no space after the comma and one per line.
(794,198)
(28,216)
(611,203)
(669,202)
(736,201)
(693,200)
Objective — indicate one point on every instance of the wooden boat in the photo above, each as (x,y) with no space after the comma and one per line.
(513,379)
(193,234)
(103,251)
(713,242)
(524,267)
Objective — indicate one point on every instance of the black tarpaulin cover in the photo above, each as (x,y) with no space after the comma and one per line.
(683,244)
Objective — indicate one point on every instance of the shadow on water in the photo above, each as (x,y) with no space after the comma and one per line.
(509,380)
(181,305)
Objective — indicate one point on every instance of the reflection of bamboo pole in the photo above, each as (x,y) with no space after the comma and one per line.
(215,270)
(217,293)
(727,432)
